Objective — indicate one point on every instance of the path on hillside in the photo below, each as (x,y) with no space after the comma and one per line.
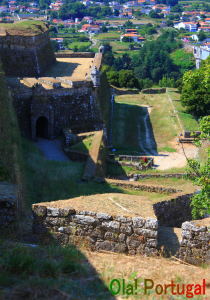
(52,149)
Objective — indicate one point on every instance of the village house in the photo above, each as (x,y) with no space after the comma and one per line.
(190,26)
(201,53)
(90,28)
(133,37)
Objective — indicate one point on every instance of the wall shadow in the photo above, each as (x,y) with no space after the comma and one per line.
(168,241)
(133,131)
(61,69)
(60,270)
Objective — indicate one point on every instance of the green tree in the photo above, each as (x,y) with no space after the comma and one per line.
(199,172)
(196,90)
(201,36)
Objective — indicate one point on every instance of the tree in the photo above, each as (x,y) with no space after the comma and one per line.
(195,90)
(104,29)
(199,172)
(201,36)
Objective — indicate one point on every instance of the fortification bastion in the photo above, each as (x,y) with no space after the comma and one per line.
(51,91)
(25,48)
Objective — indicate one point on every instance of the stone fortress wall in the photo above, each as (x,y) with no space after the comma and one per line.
(64,103)
(24,55)
(101,231)
(123,234)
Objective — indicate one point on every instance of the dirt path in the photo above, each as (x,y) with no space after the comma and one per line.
(168,160)
(52,149)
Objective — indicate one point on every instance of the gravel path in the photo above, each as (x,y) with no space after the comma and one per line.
(52,149)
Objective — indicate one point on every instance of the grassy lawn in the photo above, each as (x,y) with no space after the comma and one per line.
(179,183)
(30,26)
(125,131)
(79,45)
(119,46)
(54,272)
(164,123)
(84,145)
(111,35)
(56,180)
(188,121)
(47,272)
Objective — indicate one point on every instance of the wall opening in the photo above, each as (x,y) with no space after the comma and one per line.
(42,127)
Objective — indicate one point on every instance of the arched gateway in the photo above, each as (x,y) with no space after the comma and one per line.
(42,128)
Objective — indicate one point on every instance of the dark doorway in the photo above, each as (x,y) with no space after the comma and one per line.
(42,127)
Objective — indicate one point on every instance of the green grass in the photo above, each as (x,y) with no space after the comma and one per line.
(111,35)
(84,145)
(79,45)
(164,123)
(119,46)
(167,149)
(30,26)
(187,120)
(125,131)
(56,180)
(44,271)
(183,59)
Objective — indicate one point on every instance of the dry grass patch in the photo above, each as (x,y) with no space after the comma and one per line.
(160,270)
(111,203)
(72,68)
(178,183)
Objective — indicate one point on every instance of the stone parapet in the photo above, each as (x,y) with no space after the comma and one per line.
(132,235)
(195,243)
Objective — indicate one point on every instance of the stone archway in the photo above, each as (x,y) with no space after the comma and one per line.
(42,128)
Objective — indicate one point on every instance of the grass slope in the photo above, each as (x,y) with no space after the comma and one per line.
(188,121)
(128,116)
(30,27)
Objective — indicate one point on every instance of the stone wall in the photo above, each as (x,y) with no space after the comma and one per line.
(176,175)
(73,108)
(61,54)
(8,204)
(133,235)
(195,243)
(8,212)
(26,55)
(144,187)
(175,211)
(154,91)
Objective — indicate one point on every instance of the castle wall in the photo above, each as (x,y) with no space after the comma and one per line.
(26,55)
(101,231)
(73,108)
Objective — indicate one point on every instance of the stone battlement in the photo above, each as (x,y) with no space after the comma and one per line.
(25,49)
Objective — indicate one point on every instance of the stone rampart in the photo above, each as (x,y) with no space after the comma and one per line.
(8,204)
(175,211)
(74,54)
(132,235)
(195,243)
(26,55)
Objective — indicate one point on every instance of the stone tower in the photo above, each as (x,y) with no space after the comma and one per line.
(95,76)
(25,48)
